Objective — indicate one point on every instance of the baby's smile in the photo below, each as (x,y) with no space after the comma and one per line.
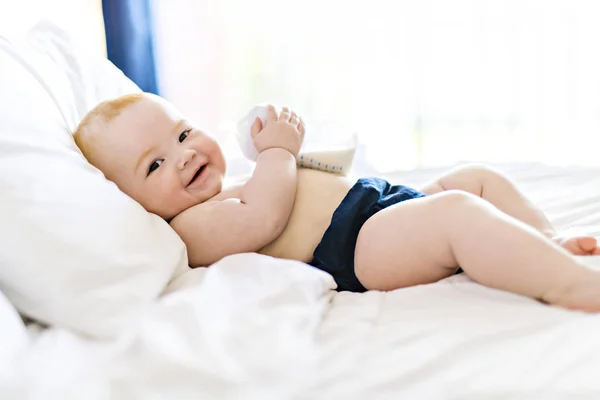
(198,176)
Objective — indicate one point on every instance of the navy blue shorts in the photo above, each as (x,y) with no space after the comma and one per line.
(335,252)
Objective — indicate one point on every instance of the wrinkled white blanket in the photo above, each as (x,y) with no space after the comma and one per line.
(256,327)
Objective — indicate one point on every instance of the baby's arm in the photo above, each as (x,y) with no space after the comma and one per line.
(215,229)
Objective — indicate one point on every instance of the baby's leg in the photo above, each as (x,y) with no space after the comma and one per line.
(499,190)
(426,239)
(496,188)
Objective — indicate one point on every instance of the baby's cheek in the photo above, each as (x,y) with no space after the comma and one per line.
(212,147)
(158,196)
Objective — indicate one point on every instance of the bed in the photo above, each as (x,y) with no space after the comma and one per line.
(132,321)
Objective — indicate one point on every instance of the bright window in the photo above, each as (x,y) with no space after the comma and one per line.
(427,82)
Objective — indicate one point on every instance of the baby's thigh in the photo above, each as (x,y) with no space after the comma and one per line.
(405,245)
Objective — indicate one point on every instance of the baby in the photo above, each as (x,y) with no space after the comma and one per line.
(368,234)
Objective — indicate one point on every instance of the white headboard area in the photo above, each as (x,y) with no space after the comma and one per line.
(81,18)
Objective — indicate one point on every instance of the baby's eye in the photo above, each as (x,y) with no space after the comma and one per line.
(154,166)
(184,135)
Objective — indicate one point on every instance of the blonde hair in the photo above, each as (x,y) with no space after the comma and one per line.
(103,113)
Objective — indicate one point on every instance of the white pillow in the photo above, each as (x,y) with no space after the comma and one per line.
(74,250)
(13,337)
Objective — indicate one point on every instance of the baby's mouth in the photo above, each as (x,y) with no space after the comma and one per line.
(197,174)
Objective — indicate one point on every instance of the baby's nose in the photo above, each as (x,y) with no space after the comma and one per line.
(187,156)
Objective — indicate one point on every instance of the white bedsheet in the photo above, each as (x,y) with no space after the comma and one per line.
(256,327)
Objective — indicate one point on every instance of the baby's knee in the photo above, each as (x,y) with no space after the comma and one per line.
(455,197)
(460,203)
(480,172)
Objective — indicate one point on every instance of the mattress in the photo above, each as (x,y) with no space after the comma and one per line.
(252,326)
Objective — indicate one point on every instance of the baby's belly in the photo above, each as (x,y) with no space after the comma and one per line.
(317,197)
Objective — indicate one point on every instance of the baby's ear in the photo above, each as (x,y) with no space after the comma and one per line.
(256,127)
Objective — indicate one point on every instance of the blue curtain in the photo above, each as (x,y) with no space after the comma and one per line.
(129,41)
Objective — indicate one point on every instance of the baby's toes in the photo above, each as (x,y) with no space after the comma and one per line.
(587,243)
(571,244)
(575,249)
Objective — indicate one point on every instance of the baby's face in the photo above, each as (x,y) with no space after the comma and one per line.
(159,159)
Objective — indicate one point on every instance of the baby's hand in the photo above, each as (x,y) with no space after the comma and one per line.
(285,131)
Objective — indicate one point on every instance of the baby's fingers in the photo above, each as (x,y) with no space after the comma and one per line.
(294,119)
(285,114)
(271,113)
(256,127)
(301,127)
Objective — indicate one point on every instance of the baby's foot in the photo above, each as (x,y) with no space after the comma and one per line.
(583,296)
(578,245)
